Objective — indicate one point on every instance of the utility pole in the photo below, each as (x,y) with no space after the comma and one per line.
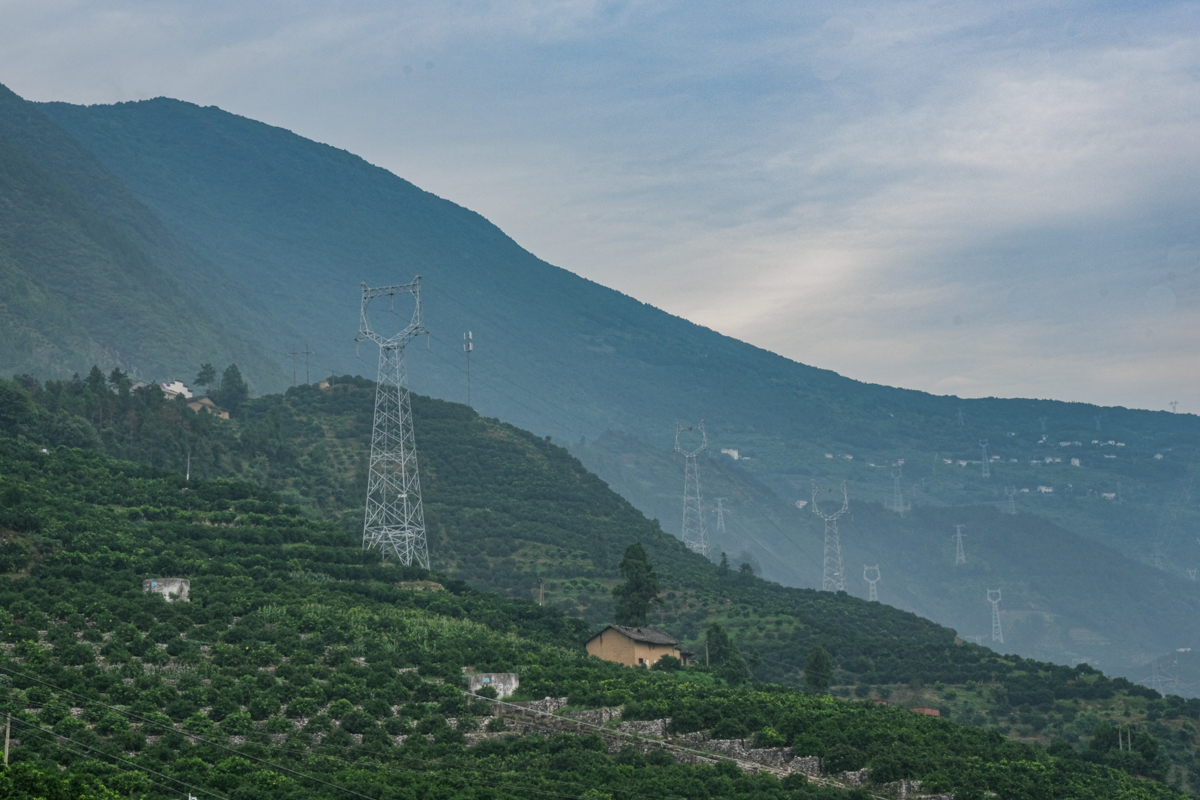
(833,577)
(872,592)
(959,556)
(7,731)
(695,537)
(468,348)
(395,518)
(541,593)
(993,597)
(306,352)
(987,469)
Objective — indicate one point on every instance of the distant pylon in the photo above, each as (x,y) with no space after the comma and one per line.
(959,556)
(833,577)
(897,495)
(1192,574)
(987,470)
(872,592)
(960,418)
(1097,418)
(395,519)
(997,634)
(695,538)
(1011,491)
(1043,421)
(721,514)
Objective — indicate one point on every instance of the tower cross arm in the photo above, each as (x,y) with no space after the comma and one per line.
(414,328)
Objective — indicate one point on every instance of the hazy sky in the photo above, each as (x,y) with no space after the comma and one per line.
(968,198)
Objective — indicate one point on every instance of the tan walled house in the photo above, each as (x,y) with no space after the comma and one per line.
(634,647)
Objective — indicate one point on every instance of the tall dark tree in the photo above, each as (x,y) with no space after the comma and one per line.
(207,376)
(233,390)
(640,589)
(818,670)
(721,648)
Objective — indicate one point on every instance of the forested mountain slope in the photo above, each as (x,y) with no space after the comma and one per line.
(514,513)
(90,275)
(302,667)
(301,224)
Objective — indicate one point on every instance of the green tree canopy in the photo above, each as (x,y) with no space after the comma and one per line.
(818,670)
(640,589)
(207,375)
(233,390)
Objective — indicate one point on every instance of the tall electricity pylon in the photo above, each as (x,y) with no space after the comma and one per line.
(987,469)
(959,556)
(1043,421)
(695,538)
(1011,492)
(897,495)
(997,634)
(395,519)
(833,578)
(872,592)
(721,515)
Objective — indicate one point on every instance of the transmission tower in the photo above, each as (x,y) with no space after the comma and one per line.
(694,536)
(960,418)
(1192,574)
(897,495)
(987,469)
(1097,418)
(834,576)
(1011,491)
(959,556)
(997,634)
(721,515)
(1174,404)
(1043,421)
(872,592)
(395,519)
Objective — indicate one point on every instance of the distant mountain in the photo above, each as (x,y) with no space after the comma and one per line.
(91,276)
(291,227)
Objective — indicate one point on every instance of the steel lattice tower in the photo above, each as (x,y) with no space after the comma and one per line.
(987,468)
(395,520)
(1011,492)
(897,494)
(833,578)
(997,634)
(872,592)
(695,538)
(721,515)
(959,556)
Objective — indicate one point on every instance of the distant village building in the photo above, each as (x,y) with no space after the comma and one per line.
(1158,456)
(1074,462)
(199,404)
(635,647)
(170,588)
(731,452)
(175,389)
(1109,495)
(929,712)
(1045,489)
(801,503)
(505,683)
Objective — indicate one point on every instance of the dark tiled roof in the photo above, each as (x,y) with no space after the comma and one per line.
(648,635)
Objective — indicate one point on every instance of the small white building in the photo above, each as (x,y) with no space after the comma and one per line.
(1045,489)
(1074,462)
(731,452)
(1109,495)
(175,389)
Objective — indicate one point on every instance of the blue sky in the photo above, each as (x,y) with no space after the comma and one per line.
(969,198)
